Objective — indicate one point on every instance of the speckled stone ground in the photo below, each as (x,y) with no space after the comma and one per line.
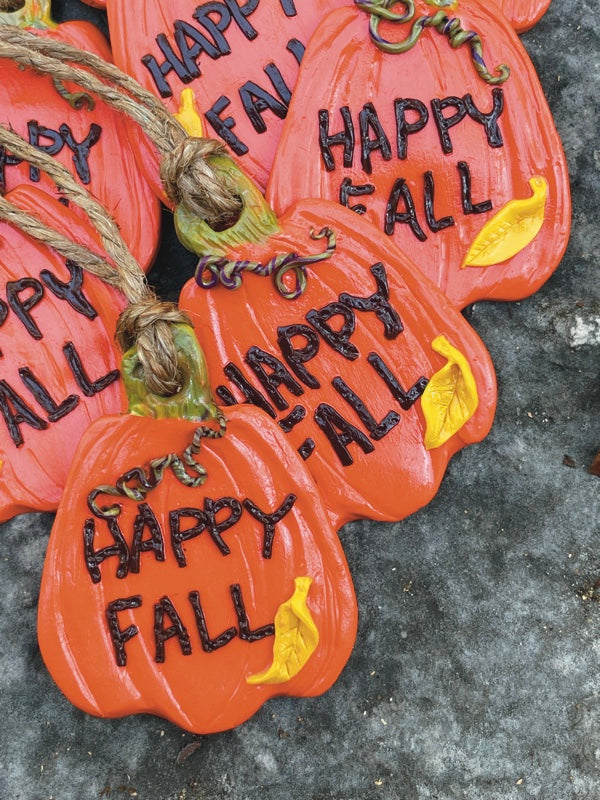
(476,668)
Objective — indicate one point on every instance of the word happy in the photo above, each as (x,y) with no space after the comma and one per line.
(214,519)
(207,35)
(367,136)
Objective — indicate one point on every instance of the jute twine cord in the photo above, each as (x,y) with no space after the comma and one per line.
(11,5)
(188,178)
(146,322)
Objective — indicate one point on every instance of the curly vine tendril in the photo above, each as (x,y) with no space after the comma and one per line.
(442,23)
(212,270)
(136,483)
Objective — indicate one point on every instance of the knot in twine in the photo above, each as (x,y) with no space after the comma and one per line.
(190,181)
(147,325)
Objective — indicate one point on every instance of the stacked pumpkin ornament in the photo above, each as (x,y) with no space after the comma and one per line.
(407,168)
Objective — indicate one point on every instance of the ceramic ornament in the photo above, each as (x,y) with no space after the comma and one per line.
(523,14)
(80,131)
(192,571)
(240,58)
(434,127)
(374,377)
(58,360)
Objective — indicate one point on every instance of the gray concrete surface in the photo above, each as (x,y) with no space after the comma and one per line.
(476,669)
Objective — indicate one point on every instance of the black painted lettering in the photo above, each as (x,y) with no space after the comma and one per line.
(270,520)
(307,448)
(489,121)
(257,360)
(297,357)
(87,386)
(377,430)
(22,307)
(172,63)
(247,634)
(119,550)
(15,412)
(240,14)
(205,14)
(435,225)
(345,138)
(81,150)
(251,394)
(209,645)
(257,100)
(378,303)
(179,536)
(146,519)
(338,339)
(403,128)
(165,608)
(348,190)
(71,291)
(3,312)
(369,121)
(405,399)
(6,160)
(399,191)
(223,127)
(296,415)
(215,528)
(341,433)
(296,48)
(53,148)
(53,410)
(465,191)
(289,9)
(445,123)
(120,637)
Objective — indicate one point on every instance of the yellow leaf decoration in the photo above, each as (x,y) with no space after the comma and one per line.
(511,229)
(296,637)
(450,398)
(188,116)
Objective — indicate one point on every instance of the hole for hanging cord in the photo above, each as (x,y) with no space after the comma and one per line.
(227,221)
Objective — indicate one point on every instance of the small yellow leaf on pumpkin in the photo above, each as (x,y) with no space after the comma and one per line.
(296,638)
(511,229)
(188,116)
(450,398)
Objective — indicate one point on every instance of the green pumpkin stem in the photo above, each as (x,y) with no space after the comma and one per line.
(193,401)
(255,223)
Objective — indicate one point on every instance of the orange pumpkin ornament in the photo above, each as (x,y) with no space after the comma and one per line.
(458,162)
(83,134)
(214,582)
(241,60)
(59,364)
(375,378)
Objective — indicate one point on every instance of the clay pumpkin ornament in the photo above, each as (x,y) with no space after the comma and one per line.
(212,583)
(435,127)
(82,133)
(241,60)
(59,364)
(374,377)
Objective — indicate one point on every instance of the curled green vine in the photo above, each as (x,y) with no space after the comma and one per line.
(450,27)
(77,100)
(136,483)
(212,270)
